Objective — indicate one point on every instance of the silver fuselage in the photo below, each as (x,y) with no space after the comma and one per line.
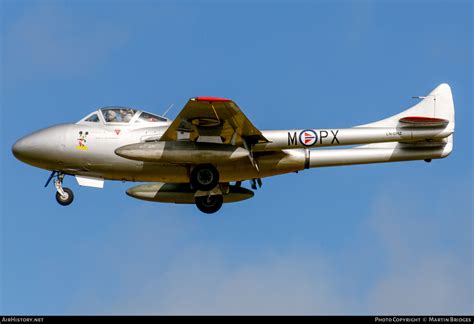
(62,148)
(211,143)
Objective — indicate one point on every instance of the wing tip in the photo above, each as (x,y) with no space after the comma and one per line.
(211,99)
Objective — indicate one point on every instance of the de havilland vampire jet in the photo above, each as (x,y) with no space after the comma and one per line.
(211,144)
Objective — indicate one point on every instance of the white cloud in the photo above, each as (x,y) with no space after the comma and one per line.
(203,282)
(160,265)
(439,284)
(423,276)
(166,266)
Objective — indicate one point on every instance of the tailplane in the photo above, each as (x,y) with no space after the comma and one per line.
(435,110)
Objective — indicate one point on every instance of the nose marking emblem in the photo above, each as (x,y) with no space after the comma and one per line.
(82,141)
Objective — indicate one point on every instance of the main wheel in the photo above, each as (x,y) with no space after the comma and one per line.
(209,204)
(204,177)
(67,199)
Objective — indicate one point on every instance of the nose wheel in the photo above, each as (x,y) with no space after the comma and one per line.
(64,196)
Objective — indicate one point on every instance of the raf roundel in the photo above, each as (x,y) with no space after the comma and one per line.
(308,137)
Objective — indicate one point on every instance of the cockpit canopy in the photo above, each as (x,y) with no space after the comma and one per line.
(118,115)
(122,115)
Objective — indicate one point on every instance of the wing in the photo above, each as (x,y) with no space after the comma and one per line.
(213,119)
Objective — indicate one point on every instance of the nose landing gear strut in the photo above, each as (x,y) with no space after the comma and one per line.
(64,196)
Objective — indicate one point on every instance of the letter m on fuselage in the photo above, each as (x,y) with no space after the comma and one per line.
(292,139)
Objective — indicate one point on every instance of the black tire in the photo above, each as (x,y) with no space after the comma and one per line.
(204,177)
(65,201)
(209,204)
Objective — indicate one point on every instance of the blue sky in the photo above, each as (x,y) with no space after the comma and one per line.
(388,238)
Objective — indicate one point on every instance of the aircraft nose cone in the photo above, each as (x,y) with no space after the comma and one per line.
(41,148)
(20,148)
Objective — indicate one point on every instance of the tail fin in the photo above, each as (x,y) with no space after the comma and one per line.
(436,109)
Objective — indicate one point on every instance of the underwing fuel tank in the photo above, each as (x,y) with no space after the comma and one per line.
(181,193)
(182,152)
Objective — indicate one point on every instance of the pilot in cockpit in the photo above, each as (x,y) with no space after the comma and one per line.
(126,115)
(111,116)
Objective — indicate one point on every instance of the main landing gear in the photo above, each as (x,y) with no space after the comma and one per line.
(64,196)
(209,204)
(208,192)
(204,177)
(205,180)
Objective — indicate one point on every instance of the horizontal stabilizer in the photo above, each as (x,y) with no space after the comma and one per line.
(419,121)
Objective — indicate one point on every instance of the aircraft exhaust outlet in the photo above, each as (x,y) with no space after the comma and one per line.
(182,152)
(181,193)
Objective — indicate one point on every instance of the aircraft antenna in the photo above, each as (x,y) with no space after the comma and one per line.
(424,97)
(167,110)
